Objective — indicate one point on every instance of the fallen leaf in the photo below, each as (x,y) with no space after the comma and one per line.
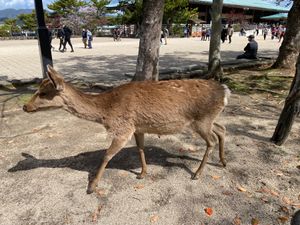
(274,193)
(154,218)
(287,201)
(139,186)
(263,190)
(283,219)
(101,192)
(208,211)
(227,193)
(284,209)
(216,177)
(264,199)
(11,141)
(96,213)
(237,221)
(122,173)
(254,221)
(296,205)
(242,189)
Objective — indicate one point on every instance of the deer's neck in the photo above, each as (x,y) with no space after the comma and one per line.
(83,105)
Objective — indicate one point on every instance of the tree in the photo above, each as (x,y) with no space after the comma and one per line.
(28,21)
(289,49)
(290,111)
(147,62)
(100,6)
(178,11)
(66,7)
(214,62)
(12,24)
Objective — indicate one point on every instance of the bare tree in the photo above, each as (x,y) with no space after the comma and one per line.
(214,64)
(148,57)
(289,49)
(290,111)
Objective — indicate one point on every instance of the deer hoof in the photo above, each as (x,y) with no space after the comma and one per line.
(224,163)
(141,176)
(90,190)
(195,177)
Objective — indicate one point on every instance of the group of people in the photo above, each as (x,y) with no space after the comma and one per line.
(64,35)
(227,33)
(87,38)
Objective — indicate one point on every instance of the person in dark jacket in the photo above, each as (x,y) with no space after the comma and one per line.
(61,36)
(250,49)
(68,34)
(224,34)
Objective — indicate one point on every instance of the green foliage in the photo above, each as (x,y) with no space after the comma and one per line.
(65,7)
(28,21)
(132,11)
(177,11)
(100,6)
(11,26)
(5,30)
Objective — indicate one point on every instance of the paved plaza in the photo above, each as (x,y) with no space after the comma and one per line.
(109,61)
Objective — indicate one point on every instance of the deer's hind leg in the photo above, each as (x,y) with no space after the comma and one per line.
(205,130)
(220,130)
(139,139)
(117,144)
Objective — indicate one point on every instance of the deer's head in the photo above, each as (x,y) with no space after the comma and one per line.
(49,93)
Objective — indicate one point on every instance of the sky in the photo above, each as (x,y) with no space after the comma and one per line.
(26,4)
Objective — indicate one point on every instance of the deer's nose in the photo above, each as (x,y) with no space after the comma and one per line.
(25,108)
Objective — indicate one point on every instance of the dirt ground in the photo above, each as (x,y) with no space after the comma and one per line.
(47,158)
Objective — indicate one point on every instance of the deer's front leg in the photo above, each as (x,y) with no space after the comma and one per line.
(117,144)
(139,139)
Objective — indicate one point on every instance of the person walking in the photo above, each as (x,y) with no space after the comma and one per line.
(89,38)
(61,36)
(68,34)
(50,38)
(250,49)
(230,33)
(265,32)
(84,37)
(165,34)
(224,33)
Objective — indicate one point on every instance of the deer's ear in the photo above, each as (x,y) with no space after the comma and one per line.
(55,78)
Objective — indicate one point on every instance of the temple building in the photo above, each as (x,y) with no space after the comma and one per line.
(237,11)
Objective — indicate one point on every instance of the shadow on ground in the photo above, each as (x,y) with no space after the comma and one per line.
(90,161)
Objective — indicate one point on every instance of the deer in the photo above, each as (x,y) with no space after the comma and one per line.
(138,108)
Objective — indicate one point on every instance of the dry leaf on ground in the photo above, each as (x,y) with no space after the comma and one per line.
(237,221)
(242,189)
(283,219)
(96,213)
(208,211)
(215,177)
(254,221)
(154,218)
(139,186)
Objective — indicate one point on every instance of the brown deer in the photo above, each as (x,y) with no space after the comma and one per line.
(136,108)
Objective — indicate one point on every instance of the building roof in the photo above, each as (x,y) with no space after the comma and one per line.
(250,4)
(277,16)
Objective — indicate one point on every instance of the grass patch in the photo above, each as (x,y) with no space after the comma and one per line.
(24,98)
(248,82)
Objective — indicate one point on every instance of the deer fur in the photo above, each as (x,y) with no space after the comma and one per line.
(136,108)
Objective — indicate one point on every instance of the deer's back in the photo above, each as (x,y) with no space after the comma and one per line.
(159,104)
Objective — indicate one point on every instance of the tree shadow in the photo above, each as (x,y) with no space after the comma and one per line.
(90,161)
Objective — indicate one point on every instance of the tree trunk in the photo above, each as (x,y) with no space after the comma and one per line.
(290,111)
(148,57)
(214,63)
(290,48)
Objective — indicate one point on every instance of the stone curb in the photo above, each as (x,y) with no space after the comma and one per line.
(191,71)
